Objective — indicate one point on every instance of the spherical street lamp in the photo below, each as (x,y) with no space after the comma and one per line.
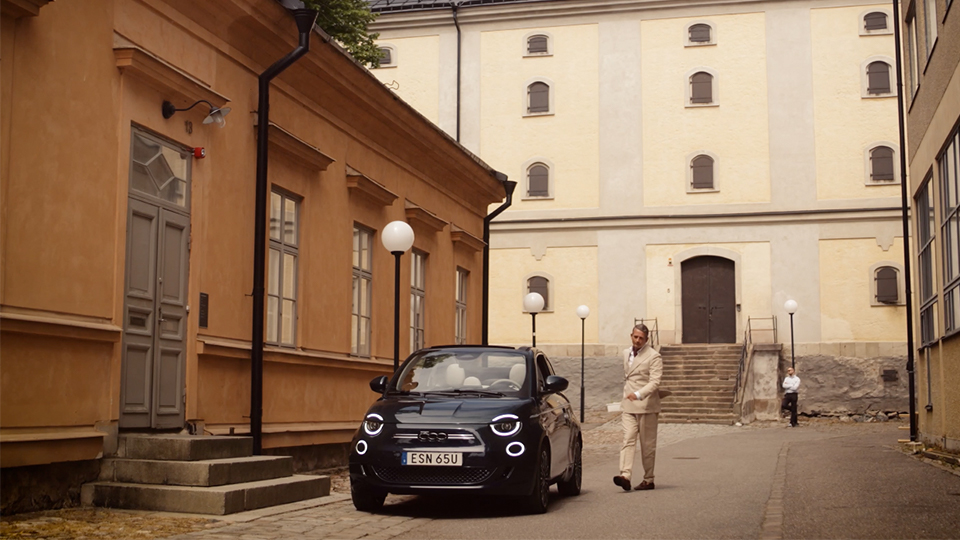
(533,304)
(583,312)
(791,307)
(397,237)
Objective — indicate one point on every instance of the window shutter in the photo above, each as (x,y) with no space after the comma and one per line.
(700,33)
(538,184)
(875,21)
(701,88)
(702,172)
(540,284)
(539,97)
(888,292)
(878,78)
(537,44)
(881,164)
(385,57)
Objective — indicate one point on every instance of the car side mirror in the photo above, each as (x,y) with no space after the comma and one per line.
(554,384)
(379,384)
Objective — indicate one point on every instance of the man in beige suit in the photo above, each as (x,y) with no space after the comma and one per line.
(640,408)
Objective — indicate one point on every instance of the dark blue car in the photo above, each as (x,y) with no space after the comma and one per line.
(486,420)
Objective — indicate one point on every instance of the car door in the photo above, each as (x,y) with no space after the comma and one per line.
(556,415)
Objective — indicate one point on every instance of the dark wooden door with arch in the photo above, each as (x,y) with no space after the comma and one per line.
(708,286)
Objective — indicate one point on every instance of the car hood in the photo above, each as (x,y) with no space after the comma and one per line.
(406,410)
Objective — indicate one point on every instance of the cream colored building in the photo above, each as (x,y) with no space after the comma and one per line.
(692,164)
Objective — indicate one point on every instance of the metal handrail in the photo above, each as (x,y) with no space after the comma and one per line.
(654,331)
(744,352)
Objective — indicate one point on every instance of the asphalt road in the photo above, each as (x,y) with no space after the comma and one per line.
(774,482)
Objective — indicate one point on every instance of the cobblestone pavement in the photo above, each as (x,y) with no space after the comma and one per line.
(331,517)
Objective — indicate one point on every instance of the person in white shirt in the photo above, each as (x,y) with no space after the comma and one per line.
(791,386)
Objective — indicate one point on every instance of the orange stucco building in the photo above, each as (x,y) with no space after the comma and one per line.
(127,259)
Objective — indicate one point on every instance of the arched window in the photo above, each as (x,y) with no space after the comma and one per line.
(887,285)
(538,98)
(699,33)
(388,56)
(540,285)
(702,175)
(538,180)
(537,44)
(878,78)
(875,20)
(881,164)
(701,87)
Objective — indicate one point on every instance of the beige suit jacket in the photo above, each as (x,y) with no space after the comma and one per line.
(644,375)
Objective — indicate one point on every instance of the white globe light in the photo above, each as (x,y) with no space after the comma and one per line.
(533,303)
(790,306)
(397,237)
(583,312)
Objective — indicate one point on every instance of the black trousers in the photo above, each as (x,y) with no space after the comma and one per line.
(790,403)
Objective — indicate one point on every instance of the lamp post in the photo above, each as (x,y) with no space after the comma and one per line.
(532,304)
(397,237)
(583,312)
(791,307)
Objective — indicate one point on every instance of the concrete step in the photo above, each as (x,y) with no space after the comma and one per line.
(215,500)
(211,472)
(726,421)
(182,447)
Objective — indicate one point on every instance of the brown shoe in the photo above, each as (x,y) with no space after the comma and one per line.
(645,485)
(622,482)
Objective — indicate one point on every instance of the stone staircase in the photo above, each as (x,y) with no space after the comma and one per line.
(197,475)
(702,379)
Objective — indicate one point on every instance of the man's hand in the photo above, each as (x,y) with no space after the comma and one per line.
(632,397)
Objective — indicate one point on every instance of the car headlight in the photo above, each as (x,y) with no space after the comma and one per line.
(373,424)
(505,425)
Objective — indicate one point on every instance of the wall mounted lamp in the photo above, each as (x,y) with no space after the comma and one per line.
(214,117)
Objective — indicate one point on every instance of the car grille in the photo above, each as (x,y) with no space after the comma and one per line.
(433,475)
(434,436)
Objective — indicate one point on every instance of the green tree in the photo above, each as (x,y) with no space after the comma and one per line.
(346,21)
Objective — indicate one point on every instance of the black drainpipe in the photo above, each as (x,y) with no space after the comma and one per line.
(508,186)
(305,20)
(904,203)
(455,6)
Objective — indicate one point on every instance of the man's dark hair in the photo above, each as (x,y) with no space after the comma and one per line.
(643,328)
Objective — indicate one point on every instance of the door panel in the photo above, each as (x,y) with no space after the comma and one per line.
(709,300)
(172,311)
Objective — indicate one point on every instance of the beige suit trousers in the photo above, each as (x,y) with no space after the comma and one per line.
(644,427)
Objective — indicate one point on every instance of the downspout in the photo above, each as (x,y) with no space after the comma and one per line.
(508,187)
(454,7)
(305,19)
(904,200)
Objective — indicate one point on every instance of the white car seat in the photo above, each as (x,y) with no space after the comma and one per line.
(518,373)
(455,375)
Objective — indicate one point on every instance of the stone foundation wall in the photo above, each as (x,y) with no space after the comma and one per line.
(45,487)
(603,376)
(837,385)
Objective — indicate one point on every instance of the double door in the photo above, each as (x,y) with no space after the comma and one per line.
(709,300)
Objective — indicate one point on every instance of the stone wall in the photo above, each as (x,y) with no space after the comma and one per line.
(836,385)
(45,487)
(604,380)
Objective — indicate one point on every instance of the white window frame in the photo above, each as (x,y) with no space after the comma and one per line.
(418,297)
(884,32)
(526,97)
(865,80)
(551,178)
(551,299)
(276,288)
(868,166)
(716,172)
(928,306)
(462,285)
(714,88)
(362,277)
(529,35)
(913,56)
(713,35)
(901,284)
(930,33)
(393,55)
(948,171)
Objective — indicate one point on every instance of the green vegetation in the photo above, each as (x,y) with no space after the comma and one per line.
(346,21)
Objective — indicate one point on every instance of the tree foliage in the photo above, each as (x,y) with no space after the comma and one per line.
(346,21)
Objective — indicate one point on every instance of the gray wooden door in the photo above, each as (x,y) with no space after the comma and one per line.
(708,287)
(154,340)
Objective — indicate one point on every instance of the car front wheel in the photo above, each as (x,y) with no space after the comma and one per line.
(571,486)
(539,498)
(365,498)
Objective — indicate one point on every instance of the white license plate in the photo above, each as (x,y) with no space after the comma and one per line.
(446,459)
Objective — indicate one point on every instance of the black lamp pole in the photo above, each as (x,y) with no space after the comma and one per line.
(396,312)
(583,326)
(533,318)
(793,362)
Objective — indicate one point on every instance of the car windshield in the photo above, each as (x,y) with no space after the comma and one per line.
(465,373)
